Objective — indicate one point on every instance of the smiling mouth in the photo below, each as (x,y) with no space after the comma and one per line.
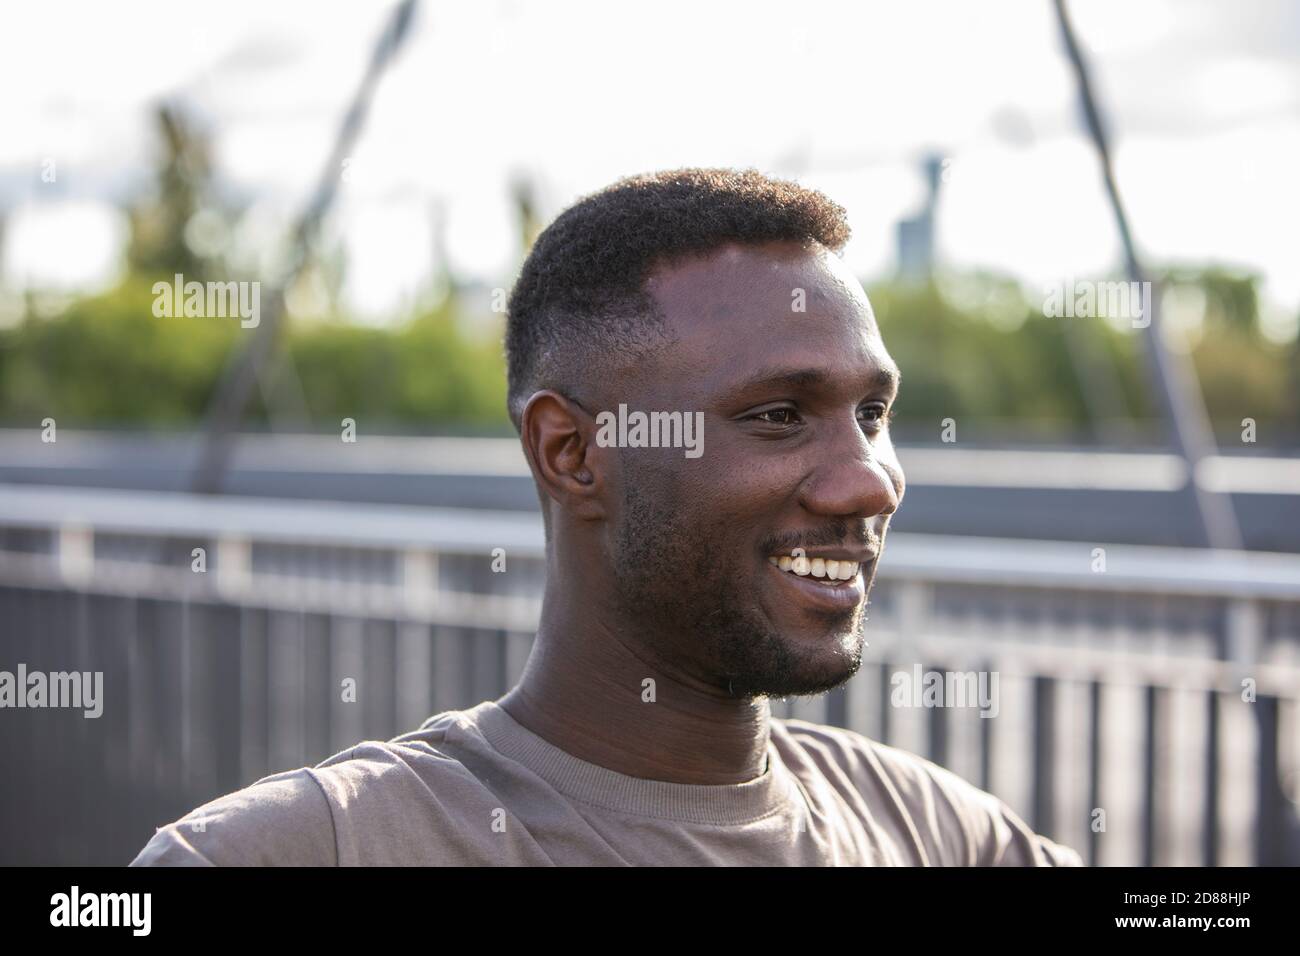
(826,572)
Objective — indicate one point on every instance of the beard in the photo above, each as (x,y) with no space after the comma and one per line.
(669,584)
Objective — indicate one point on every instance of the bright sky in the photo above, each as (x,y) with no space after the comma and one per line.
(1203,99)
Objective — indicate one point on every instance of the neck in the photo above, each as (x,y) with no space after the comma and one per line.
(584,690)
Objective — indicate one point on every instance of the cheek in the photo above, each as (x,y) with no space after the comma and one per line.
(746,500)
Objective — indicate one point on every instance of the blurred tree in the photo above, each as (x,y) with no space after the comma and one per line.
(523,194)
(1231,298)
(426,371)
(973,347)
(108,360)
(168,226)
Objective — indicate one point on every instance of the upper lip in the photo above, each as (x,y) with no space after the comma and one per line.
(861,556)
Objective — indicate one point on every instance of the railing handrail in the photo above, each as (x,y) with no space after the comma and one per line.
(944,558)
(167,514)
(969,465)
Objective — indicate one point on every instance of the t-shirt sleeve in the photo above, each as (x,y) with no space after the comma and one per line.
(975,828)
(938,818)
(281,820)
(1014,843)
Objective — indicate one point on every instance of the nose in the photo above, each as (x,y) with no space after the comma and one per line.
(851,477)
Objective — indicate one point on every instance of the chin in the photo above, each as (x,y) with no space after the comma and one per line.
(828,672)
(806,666)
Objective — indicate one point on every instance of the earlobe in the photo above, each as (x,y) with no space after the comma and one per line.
(556,434)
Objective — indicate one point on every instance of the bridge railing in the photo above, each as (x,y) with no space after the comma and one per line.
(1139,704)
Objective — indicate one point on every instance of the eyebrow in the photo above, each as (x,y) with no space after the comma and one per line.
(887,377)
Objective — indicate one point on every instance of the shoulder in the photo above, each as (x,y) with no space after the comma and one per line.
(955,822)
(345,809)
(284,818)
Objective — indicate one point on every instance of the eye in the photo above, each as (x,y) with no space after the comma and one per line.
(874,416)
(777,416)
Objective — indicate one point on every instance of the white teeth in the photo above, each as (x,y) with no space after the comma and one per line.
(827,568)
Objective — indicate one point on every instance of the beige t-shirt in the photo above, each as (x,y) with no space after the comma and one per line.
(474,787)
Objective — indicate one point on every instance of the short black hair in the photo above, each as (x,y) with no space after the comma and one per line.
(580,293)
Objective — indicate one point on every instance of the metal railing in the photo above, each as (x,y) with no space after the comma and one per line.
(1147,697)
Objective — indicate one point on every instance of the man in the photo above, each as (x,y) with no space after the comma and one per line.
(691,576)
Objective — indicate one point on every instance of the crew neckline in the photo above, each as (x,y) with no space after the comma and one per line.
(720,804)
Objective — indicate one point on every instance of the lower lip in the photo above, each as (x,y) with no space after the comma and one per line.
(841,597)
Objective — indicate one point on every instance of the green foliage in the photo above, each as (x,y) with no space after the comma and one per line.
(1231,298)
(182,188)
(108,360)
(427,371)
(1243,377)
(971,347)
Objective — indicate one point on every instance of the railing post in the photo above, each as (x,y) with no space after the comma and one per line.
(234,572)
(1272,829)
(1244,643)
(419,580)
(1095,765)
(1151,777)
(1044,754)
(76,553)
(1210,835)
(910,728)
(1244,630)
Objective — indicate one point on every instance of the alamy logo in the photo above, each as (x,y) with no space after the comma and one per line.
(946,689)
(102,909)
(1091,300)
(57,689)
(652,430)
(209,300)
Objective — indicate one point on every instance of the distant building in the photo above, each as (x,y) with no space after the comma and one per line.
(916,234)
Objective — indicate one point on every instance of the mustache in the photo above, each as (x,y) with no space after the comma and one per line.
(844,533)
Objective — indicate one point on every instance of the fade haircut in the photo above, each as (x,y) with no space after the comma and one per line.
(580,301)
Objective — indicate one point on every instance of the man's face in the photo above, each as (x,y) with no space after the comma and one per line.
(778,347)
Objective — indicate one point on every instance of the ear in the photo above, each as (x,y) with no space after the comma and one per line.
(559,441)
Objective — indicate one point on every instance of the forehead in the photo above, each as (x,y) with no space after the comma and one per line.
(743,307)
